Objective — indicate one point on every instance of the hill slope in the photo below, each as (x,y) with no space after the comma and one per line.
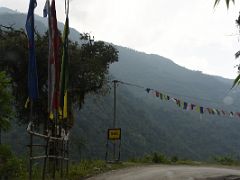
(149,124)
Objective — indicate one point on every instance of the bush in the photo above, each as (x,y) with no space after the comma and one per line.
(225,160)
(174,159)
(159,158)
(144,159)
(10,165)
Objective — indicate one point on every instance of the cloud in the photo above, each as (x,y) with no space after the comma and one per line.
(179,30)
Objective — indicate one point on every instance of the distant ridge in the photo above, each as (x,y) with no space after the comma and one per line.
(17,20)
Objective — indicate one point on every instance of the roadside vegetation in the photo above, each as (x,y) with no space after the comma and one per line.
(13,167)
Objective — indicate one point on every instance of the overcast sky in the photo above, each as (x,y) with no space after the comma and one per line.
(190,32)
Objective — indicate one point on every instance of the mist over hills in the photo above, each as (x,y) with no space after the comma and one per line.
(17,20)
(149,124)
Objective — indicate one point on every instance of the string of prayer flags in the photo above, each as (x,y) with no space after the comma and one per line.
(186,105)
(193,107)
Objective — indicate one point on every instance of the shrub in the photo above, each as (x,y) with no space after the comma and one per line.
(174,159)
(225,160)
(159,158)
(10,165)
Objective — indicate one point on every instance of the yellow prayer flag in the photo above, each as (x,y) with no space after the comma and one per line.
(26,103)
(65,113)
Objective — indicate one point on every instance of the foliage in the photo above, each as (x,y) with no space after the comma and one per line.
(174,159)
(237,54)
(226,160)
(155,157)
(88,68)
(227,2)
(80,170)
(6,101)
(88,168)
(159,158)
(10,166)
(145,159)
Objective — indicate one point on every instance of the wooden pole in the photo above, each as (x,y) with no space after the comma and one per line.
(45,159)
(67,157)
(31,141)
(0,135)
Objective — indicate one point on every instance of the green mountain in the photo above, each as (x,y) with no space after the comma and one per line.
(148,123)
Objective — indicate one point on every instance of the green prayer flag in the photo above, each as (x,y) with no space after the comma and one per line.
(64,69)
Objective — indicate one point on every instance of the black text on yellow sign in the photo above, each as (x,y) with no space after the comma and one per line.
(114,134)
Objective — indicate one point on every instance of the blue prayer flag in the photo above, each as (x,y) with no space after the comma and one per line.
(185,104)
(32,66)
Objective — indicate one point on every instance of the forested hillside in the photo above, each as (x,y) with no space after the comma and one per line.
(148,123)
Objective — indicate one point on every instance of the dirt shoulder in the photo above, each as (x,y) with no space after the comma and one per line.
(165,172)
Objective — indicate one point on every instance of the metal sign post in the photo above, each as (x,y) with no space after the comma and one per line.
(114,134)
(113,137)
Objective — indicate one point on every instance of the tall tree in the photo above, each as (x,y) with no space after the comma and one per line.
(88,69)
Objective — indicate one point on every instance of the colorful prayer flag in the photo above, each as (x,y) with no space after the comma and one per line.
(46,9)
(64,70)
(161,96)
(198,109)
(238,114)
(218,112)
(47,12)
(192,106)
(32,65)
(148,90)
(223,112)
(185,105)
(54,61)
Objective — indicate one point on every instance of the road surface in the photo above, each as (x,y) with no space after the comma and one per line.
(161,172)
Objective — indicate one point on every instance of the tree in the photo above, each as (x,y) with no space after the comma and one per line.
(6,102)
(88,69)
(237,54)
(227,2)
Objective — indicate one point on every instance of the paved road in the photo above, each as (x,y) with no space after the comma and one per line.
(161,172)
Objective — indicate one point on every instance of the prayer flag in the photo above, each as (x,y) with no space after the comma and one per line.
(161,96)
(185,104)
(54,61)
(46,8)
(238,114)
(148,90)
(64,70)
(198,109)
(32,65)
(218,112)
(192,106)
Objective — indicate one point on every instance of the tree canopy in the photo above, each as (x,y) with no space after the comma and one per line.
(88,67)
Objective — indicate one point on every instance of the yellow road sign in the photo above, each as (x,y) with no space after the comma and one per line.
(114,134)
